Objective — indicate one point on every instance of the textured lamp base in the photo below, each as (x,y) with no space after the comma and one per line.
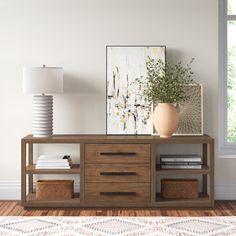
(43,115)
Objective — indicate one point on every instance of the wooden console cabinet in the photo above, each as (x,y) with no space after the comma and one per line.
(119,171)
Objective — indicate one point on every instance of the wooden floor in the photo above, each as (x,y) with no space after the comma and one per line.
(13,208)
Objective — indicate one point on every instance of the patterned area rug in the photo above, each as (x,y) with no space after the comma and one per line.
(118,226)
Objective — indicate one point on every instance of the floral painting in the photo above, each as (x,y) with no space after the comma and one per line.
(128,111)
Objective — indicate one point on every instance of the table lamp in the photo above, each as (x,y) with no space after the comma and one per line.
(42,81)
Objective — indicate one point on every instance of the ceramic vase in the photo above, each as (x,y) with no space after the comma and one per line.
(165,119)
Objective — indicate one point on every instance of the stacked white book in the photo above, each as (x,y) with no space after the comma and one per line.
(181,161)
(53,162)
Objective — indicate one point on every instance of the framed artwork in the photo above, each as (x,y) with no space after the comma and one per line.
(190,112)
(128,112)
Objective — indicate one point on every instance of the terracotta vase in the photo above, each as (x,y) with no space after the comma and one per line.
(165,119)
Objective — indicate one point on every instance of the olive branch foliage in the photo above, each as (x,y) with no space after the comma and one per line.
(165,82)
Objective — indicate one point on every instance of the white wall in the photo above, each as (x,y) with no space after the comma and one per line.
(73,34)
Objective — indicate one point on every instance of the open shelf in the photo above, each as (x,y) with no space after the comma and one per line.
(75,169)
(91,153)
(202,201)
(160,171)
(32,201)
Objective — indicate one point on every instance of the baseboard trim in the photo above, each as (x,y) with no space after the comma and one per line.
(225,191)
(11,190)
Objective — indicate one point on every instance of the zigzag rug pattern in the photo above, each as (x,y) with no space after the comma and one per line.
(117,226)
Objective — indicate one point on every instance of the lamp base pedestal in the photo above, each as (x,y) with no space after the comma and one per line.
(43,115)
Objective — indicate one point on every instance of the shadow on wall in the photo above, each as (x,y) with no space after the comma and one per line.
(74,84)
(173,55)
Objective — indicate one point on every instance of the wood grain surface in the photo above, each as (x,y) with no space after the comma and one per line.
(117,192)
(117,153)
(13,208)
(112,151)
(117,173)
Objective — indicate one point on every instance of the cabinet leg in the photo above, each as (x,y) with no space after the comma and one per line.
(153,173)
(30,176)
(204,185)
(82,147)
(204,162)
(23,173)
(212,178)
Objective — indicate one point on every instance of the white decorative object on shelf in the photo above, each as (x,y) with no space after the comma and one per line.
(41,81)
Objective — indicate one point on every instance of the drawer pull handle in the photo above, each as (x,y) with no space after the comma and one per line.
(118,153)
(118,193)
(118,173)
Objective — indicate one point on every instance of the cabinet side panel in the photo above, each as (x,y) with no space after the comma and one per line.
(153,172)
(212,176)
(23,175)
(30,176)
(82,172)
(205,163)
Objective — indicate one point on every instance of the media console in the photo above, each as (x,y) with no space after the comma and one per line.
(118,171)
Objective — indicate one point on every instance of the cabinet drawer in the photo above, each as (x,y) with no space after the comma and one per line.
(117,192)
(117,173)
(117,153)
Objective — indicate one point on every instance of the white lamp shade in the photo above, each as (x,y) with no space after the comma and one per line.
(42,80)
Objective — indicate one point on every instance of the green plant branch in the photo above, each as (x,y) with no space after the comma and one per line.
(165,82)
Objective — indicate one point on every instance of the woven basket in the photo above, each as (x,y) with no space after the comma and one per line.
(54,189)
(179,188)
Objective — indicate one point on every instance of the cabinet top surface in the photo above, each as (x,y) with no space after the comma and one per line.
(67,138)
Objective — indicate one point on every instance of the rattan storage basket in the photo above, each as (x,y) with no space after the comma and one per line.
(54,189)
(179,188)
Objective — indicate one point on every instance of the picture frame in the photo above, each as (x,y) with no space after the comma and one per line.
(128,112)
(190,113)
